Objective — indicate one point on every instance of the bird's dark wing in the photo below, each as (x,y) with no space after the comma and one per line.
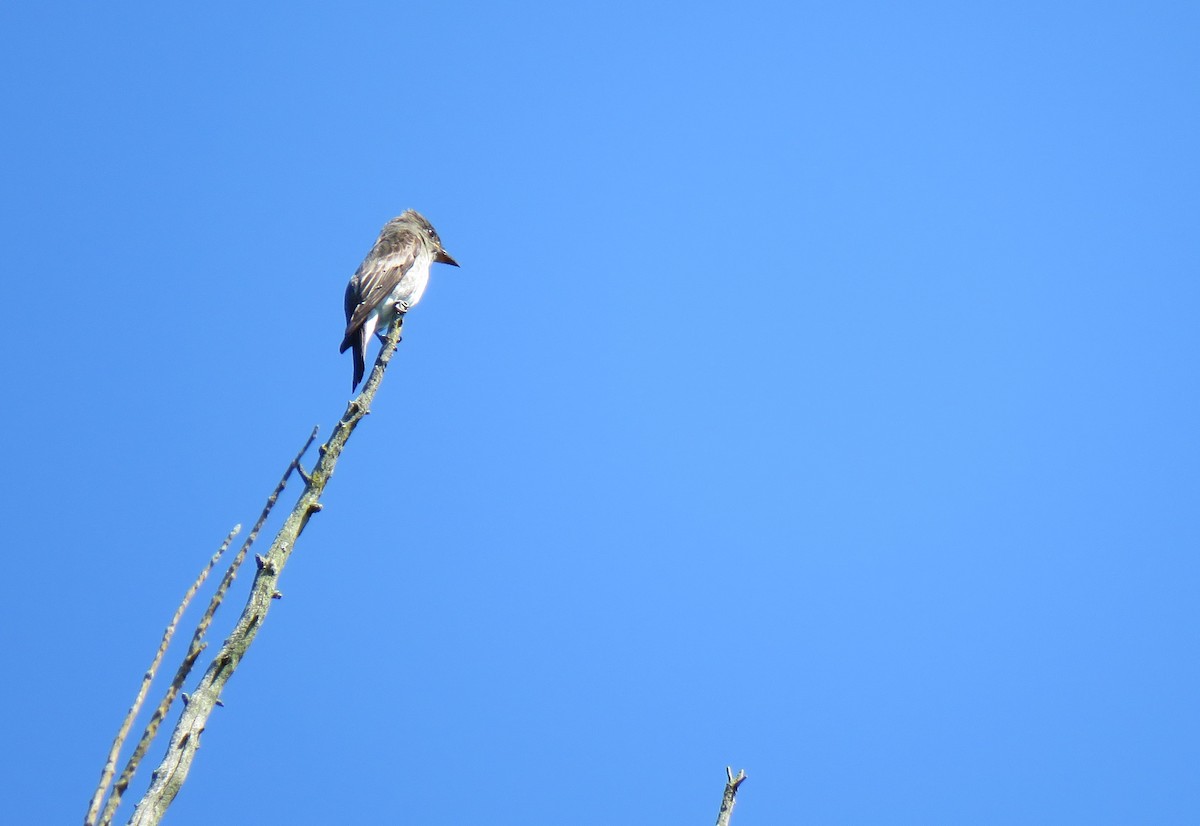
(378,275)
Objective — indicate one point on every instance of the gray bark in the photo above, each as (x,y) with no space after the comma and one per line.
(185,740)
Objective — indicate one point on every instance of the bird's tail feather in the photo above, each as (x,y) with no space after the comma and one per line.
(359,346)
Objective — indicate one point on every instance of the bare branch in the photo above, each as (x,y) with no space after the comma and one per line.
(731,789)
(185,740)
(110,765)
(196,647)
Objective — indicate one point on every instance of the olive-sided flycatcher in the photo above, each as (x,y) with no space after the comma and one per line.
(392,278)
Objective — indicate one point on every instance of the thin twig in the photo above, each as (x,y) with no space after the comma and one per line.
(185,740)
(110,765)
(197,644)
(731,790)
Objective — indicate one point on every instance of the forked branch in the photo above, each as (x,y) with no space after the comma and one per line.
(110,764)
(731,790)
(185,740)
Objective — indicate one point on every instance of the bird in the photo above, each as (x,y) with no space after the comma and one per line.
(391,279)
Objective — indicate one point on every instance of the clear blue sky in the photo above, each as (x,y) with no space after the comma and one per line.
(818,396)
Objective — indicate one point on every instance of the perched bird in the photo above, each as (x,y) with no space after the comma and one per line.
(392,278)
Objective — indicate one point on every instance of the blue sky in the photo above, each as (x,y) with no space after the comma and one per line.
(818,396)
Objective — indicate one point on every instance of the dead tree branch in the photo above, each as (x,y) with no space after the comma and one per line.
(185,740)
(110,765)
(194,649)
(731,790)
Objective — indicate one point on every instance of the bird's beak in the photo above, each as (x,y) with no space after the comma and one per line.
(444,257)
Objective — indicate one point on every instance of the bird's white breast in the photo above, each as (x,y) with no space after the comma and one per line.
(412,285)
(409,290)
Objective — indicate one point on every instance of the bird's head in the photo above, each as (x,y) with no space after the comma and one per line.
(421,224)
